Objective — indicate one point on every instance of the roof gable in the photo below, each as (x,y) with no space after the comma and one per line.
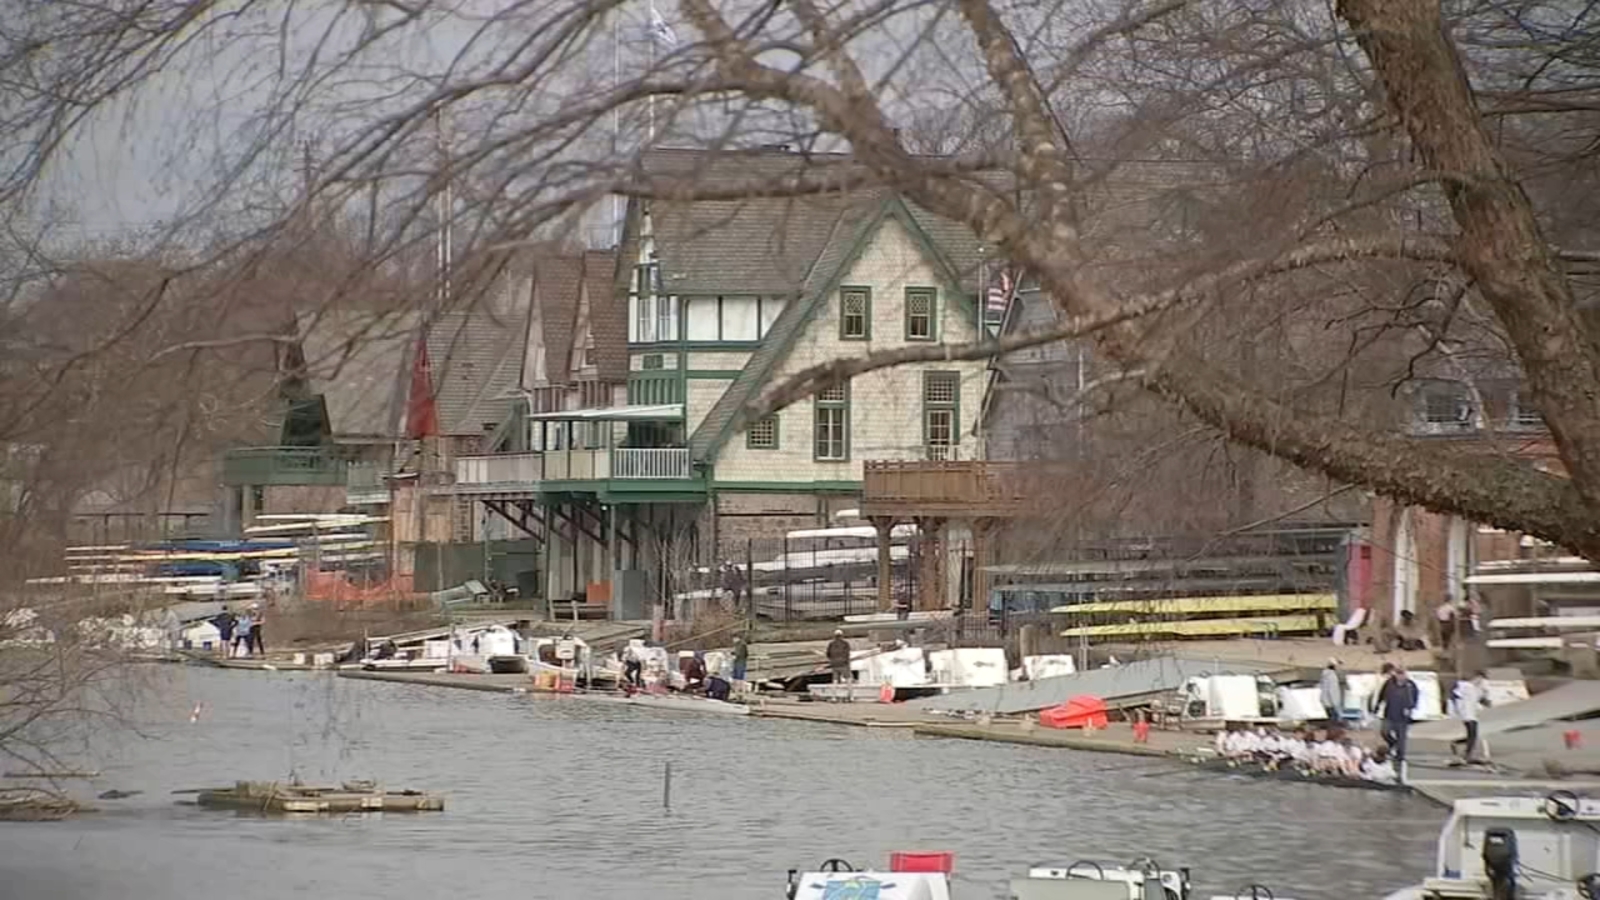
(476,357)
(556,286)
(608,315)
(360,362)
(848,239)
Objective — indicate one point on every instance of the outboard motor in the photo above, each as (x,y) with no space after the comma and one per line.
(1500,862)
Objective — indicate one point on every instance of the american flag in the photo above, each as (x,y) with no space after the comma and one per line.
(998,296)
(660,31)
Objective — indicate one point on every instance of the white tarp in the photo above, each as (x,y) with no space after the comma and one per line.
(1228,696)
(969,666)
(1048,665)
(1360,686)
(1301,704)
(903,667)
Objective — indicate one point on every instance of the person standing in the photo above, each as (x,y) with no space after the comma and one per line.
(242,636)
(256,644)
(1397,701)
(1466,702)
(741,659)
(633,666)
(1446,614)
(1332,691)
(225,624)
(838,654)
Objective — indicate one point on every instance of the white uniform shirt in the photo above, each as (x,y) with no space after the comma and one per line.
(1467,701)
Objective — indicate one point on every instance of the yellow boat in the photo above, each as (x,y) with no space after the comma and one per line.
(1260,625)
(1189,606)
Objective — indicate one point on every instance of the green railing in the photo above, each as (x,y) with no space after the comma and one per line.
(283,466)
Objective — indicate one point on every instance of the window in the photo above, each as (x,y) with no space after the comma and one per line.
(762,434)
(651,362)
(919,314)
(1523,414)
(666,318)
(941,413)
(855,314)
(1444,403)
(833,424)
(595,394)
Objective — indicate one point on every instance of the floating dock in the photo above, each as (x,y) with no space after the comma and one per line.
(274,797)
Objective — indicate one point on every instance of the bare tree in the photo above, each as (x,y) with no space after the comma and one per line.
(1350,158)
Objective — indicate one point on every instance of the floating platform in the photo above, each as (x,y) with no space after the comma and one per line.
(274,797)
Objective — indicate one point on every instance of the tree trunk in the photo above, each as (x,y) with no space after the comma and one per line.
(1502,247)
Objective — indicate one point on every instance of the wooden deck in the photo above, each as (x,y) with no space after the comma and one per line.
(947,488)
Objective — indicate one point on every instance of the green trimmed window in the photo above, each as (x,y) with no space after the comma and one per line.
(920,305)
(762,434)
(832,411)
(855,314)
(941,413)
(651,362)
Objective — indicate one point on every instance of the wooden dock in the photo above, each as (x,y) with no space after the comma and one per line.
(277,798)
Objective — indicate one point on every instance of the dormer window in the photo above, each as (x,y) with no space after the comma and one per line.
(1445,406)
(1522,414)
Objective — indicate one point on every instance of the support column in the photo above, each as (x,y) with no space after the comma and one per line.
(931,590)
(885,526)
(549,557)
(982,530)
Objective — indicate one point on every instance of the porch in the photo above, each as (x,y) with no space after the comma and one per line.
(605,493)
(932,493)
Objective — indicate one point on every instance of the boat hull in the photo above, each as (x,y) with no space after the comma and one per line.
(1249,770)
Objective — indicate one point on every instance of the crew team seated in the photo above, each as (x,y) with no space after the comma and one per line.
(1321,751)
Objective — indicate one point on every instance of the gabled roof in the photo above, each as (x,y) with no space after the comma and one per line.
(767,245)
(608,315)
(556,284)
(561,284)
(476,356)
(359,361)
(851,233)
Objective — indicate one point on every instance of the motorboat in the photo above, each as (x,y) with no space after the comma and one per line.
(927,876)
(1499,848)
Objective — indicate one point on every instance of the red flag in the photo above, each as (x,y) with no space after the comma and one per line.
(422,416)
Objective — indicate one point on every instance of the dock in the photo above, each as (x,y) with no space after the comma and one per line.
(492,684)
(271,797)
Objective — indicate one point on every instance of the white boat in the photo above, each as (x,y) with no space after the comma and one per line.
(926,876)
(1493,848)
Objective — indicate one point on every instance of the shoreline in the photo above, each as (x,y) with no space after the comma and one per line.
(1440,786)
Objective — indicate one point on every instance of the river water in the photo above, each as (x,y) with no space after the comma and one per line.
(561,799)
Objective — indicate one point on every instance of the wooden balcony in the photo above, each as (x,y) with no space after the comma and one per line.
(275,466)
(948,488)
(525,472)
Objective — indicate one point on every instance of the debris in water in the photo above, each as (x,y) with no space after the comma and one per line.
(354,796)
(117,795)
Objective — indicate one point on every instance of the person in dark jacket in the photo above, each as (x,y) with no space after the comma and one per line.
(1397,701)
(839,659)
(225,624)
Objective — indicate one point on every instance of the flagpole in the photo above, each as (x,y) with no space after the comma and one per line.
(616,118)
(650,103)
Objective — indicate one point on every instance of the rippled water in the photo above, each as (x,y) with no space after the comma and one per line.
(556,798)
